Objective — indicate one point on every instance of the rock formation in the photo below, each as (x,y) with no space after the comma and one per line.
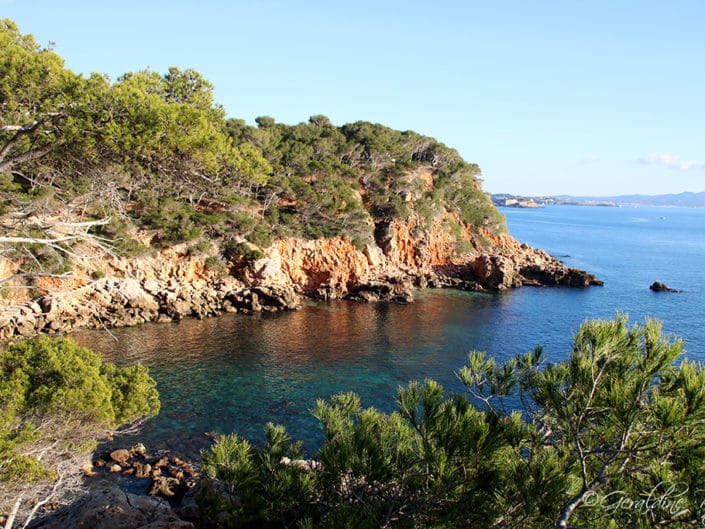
(175,283)
(657,286)
(114,509)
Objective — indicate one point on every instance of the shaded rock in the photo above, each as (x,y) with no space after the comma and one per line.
(163,486)
(382,291)
(403,298)
(550,275)
(657,286)
(188,506)
(277,297)
(113,509)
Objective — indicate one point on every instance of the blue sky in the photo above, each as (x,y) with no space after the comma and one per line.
(563,97)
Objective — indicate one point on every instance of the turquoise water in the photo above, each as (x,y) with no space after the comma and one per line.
(235,373)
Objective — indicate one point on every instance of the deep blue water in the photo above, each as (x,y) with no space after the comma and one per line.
(237,372)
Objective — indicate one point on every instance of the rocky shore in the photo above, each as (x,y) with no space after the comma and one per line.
(170,502)
(177,282)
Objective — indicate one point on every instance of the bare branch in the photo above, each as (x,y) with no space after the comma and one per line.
(30,156)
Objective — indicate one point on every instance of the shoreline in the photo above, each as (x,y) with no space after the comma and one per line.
(173,283)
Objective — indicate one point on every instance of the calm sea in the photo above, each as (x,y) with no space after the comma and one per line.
(235,373)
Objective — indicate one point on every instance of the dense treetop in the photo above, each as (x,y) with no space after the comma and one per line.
(153,151)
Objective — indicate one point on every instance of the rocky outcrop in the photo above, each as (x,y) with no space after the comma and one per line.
(520,264)
(113,509)
(657,286)
(173,283)
(168,475)
(168,287)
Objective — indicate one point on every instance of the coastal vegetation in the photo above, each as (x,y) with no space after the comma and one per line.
(56,400)
(93,167)
(149,160)
(611,437)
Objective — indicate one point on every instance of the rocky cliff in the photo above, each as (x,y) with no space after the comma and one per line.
(177,282)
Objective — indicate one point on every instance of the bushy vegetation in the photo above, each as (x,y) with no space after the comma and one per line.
(612,437)
(154,152)
(56,399)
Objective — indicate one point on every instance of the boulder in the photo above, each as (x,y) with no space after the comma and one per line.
(120,456)
(138,450)
(163,486)
(492,272)
(113,509)
(130,291)
(277,297)
(657,286)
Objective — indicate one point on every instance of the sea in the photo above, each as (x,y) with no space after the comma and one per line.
(235,373)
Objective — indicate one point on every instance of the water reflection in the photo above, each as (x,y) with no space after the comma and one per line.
(236,372)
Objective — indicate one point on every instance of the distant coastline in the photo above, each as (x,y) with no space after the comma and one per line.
(687,200)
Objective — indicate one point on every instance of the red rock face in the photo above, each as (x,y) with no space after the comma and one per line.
(325,263)
(174,283)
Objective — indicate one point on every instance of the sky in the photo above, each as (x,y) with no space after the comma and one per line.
(548,97)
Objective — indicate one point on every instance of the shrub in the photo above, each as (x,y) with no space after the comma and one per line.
(617,422)
(241,250)
(215,263)
(56,398)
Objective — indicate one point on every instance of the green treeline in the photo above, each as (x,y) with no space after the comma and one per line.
(153,152)
(612,437)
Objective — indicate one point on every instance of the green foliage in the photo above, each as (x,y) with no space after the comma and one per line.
(215,263)
(133,393)
(154,151)
(241,250)
(617,423)
(264,486)
(53,389)
(36,93)
(120,232)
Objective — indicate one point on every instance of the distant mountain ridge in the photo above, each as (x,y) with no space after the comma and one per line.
(685,199)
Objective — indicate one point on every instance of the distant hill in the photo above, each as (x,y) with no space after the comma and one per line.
(686,199)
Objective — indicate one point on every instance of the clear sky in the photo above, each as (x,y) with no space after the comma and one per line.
(548,97)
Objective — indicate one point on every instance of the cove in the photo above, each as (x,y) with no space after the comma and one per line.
(237,372)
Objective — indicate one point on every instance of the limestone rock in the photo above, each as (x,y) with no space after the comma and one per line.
(113,509)
(134,295)
(173,283)
(88,469)
(138,450)
(120,456)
